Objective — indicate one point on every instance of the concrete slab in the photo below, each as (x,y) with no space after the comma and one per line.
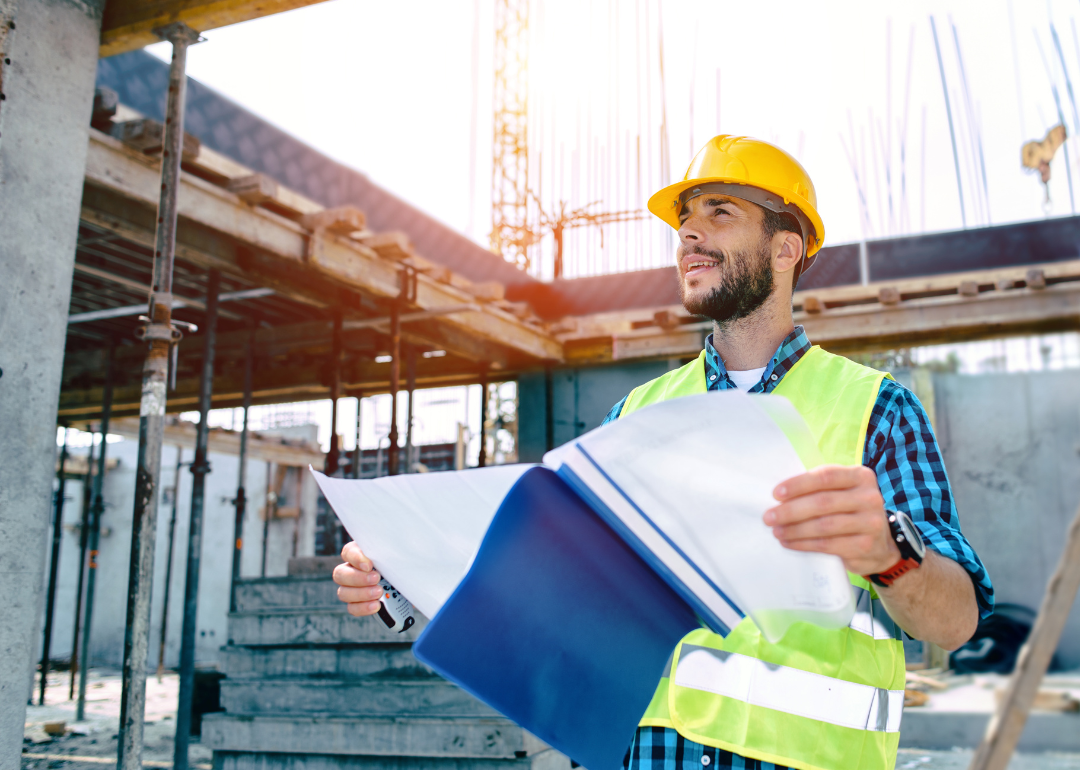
(325,626)
(280,593)
(427,696)
(229,760)
(447,737)
(338,661)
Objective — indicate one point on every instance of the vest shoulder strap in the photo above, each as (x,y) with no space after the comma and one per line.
(687,380)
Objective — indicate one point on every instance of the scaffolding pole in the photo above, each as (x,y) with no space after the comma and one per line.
(395,377)
(50,601)
(358,454)
(159,333)
(94,538)
(241,495)
(84,531)
(482,459)
(410,387)
(199,468)
(169,562)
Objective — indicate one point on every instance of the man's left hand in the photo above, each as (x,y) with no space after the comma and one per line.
(835,509)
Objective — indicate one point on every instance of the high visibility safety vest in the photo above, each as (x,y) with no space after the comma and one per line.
(819,699)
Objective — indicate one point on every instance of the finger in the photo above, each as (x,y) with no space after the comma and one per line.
(348,575)
(823,477)
(351,595)
(362,609)
(831,525)
(847,547)
(353,555)
(815,505)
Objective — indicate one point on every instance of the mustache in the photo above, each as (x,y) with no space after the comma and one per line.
(719,256)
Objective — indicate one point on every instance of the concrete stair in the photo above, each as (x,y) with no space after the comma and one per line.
(308,687)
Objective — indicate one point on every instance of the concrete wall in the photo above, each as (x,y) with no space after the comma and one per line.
(1011,444)
(1012,450)
(44,119)
(107,636)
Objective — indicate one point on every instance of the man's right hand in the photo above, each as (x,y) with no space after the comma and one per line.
(358,582)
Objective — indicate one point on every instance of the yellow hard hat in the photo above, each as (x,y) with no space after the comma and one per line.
(751,170)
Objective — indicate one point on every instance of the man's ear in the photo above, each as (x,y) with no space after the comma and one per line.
(787,251)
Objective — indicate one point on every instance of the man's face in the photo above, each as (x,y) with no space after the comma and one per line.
(724,260)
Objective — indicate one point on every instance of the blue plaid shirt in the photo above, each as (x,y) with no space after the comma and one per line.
(902,450)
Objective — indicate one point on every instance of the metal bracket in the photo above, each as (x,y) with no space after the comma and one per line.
(408,281)
(172,334)
(179,32)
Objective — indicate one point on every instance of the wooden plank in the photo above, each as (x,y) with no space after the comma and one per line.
(127,25)
(278,244)
(1003,731)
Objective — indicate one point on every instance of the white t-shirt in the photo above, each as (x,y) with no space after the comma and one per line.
(746,380)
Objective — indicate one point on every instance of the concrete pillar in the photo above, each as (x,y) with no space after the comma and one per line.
(44,117)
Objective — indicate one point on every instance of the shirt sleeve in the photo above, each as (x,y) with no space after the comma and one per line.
(902,450)
(613,413)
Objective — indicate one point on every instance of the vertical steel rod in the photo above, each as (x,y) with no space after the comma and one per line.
(158,332)
(199,468)
(358,454)
(410,386)
(241,495)
(329,521)
(50,600)
(482,459)
(169,563)
(948,113)
(84,533)
(96,509)
(395,377)
(269,514)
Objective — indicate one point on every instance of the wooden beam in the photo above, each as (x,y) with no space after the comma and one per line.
(274,449)
(120,195)
(1004,729)
(129,24)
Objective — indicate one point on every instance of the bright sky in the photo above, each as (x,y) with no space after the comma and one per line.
(395,91)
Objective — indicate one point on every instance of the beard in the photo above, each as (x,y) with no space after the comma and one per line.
(748,281)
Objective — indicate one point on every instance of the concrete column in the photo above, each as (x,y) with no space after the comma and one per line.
(44,117)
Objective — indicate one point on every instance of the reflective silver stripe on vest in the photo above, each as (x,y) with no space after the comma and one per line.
(791,690)
(872,619)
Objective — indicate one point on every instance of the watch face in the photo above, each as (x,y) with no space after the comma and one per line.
(911,534)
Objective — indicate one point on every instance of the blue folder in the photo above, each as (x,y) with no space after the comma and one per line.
(559,624)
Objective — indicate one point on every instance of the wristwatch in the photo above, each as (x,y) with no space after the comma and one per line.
(910,543)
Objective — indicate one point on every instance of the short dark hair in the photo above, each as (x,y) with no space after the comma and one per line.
(773,223)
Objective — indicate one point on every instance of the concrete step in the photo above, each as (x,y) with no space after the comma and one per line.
(314,626)
(315,591)
(422,695)
(444,737)
(548,759)
(345,661)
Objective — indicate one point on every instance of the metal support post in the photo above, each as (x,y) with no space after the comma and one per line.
(482,459)
(395,377)
(335,395)
(549,410)
(168,563)
(199,468)
(160,334)
(268,511)
(410,386)
(94,540)
(50,600)
(358,454)
(241,495)
(84,532)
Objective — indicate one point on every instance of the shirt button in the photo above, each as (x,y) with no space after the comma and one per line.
(706,760)
(712,376)
(773,378)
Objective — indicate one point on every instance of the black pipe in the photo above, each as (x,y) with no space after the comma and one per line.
(168,563)
(410,386)
(240,502)
(549,406)
(268,511)
(95,534)
(481,460)
(84,532)
(199,468)
(358,455)
(395,375)
(50,601)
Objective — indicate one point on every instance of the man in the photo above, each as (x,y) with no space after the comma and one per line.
(820,699)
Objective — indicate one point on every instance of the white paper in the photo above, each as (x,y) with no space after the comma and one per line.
(703,469)
(421,530)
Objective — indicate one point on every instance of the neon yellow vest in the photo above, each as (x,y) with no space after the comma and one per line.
(819,699)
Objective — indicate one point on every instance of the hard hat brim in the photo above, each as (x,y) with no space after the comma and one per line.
(664,204)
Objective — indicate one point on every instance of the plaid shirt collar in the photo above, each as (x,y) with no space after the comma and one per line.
(790,351)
